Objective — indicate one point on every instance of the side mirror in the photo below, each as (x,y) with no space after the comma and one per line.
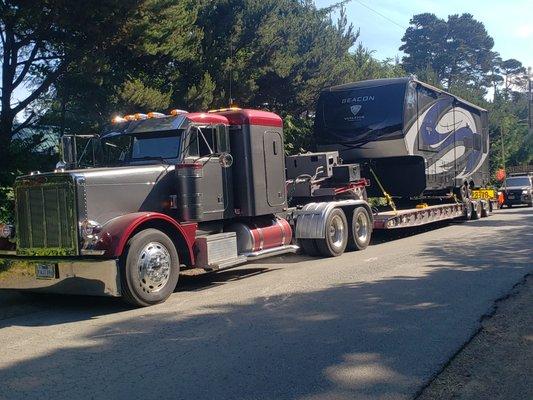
(77,150)
(68,153)
(226,160)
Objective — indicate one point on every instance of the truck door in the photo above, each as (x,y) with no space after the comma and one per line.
(214,187)
(274,168)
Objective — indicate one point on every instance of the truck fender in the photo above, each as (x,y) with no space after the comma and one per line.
(114,235)
(311,219)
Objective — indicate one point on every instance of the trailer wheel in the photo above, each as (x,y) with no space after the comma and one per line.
(468,210)
(336,239)
(149,268)
(361,230)
(309,247)
(485,209)
(476,210)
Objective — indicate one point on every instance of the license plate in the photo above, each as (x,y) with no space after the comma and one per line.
(485,194)
(511,196)
(45,271)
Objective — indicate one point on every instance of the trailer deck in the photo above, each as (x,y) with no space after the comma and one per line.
(417,216)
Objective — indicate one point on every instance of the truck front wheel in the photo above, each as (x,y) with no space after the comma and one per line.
(149,268)
(336,239)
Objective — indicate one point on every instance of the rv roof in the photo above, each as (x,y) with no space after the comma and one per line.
(391,81)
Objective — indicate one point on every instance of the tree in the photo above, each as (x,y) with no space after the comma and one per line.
(38,43)
(187,54)
(514,76)
(459,50)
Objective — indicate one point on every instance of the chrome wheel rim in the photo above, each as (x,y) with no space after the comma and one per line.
(154,267)
(336,232)
(361,227)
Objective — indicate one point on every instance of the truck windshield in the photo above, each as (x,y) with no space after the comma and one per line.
(518,181)
(126,149)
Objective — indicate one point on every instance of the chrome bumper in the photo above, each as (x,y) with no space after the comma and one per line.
(84,277)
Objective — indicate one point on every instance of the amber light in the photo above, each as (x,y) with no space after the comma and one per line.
(153,114)
(139,116)
(118,119)
(178,112)
(232,108)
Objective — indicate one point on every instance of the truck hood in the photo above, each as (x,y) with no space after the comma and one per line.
(111,192)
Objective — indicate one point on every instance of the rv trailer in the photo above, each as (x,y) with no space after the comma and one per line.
(418,139)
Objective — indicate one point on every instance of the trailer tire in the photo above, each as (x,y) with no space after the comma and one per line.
(360,230)
(476,210)
(309,247)
(336,234)
(468,211)
(149,268)
(485,210)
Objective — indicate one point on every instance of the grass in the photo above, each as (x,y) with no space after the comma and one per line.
(9,268)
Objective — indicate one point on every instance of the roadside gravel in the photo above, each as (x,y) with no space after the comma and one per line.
(498,362)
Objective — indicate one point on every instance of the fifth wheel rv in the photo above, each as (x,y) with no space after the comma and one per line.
(418,139)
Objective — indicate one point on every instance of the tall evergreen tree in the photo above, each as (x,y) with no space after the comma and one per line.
(458,50)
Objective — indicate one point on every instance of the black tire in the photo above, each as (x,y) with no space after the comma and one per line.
(336,239)
(309,247)
(359,237)
(462,192)
(142,286)
(485,211)
(476,210)
(468,211)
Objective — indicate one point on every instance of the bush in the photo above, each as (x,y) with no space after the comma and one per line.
(7,204)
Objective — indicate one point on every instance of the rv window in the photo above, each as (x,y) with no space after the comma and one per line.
(477,142)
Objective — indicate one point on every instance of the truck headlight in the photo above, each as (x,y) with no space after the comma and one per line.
(524,191)
(89,229)
(7,231)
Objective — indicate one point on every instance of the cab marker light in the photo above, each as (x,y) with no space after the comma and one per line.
(153,114)
(129,117)
(177,111)
(118,119)
(140,116)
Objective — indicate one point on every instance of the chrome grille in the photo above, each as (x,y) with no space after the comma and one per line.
(46,218)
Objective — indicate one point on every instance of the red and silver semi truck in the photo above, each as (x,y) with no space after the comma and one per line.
(125,211)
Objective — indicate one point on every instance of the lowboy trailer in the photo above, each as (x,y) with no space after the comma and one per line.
(125,211)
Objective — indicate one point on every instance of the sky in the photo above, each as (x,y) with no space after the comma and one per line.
(509,22)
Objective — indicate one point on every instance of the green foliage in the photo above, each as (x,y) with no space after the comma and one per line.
(137,94)
(6,204)
(298,138)
(458,50)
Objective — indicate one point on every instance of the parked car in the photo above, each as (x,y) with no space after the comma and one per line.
(517,190)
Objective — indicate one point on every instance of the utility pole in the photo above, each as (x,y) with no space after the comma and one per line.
(502,132)
(529,102)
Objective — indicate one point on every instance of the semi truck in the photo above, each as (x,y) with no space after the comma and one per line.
(126,211)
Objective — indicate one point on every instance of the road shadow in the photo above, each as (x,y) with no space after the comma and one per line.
(359,340)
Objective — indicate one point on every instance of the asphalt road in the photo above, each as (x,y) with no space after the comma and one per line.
(371,325)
